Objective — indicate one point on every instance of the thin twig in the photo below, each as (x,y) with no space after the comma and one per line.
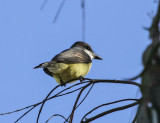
(18,110)
(83,19)
(24,114)
(58,11)
(85,96)
(95,81)
(54,116)
(80,102)
(56,95)
(40,110)
(110,111)
(43,4)
(47,98)
(74,107)
(108,104)
(85,80)
(69,92)
(115,81)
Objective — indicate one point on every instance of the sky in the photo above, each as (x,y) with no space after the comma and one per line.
(114,29)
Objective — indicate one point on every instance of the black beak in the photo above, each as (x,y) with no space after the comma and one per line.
(97,57)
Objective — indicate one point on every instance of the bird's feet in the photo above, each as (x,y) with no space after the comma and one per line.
(62,83)
(81,78)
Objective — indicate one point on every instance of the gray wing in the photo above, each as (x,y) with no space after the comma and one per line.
(72,56)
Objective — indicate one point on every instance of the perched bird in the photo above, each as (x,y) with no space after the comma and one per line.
(70,64)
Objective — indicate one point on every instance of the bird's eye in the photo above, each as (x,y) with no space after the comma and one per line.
(88,48)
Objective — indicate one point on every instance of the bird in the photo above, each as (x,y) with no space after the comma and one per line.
(71,64)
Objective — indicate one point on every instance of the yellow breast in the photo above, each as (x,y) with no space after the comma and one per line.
(69,72)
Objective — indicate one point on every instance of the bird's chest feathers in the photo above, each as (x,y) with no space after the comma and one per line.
(80,69)
(68,72)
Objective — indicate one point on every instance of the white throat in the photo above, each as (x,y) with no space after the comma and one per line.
(89,53)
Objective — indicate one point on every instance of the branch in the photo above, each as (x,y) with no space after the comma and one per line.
(40,110)
(94,80)
(43,4)
(54,96)
(61,93)
(54,116)
(115,81)
(57,95)
(24,114)
(83,19)
(111,110)
(108,104)
(58,11)
(74,107)
(85,96)
(80,102)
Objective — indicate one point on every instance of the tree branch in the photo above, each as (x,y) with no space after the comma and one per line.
(54,116)
(85,81)
(58,11)
(40,110)
(74,107)
(110,111)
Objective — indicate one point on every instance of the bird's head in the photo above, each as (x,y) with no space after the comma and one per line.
(87,48)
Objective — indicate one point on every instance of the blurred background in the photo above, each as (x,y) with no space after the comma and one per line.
(28,37)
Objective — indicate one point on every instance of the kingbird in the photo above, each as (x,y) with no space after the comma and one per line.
(70,64)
